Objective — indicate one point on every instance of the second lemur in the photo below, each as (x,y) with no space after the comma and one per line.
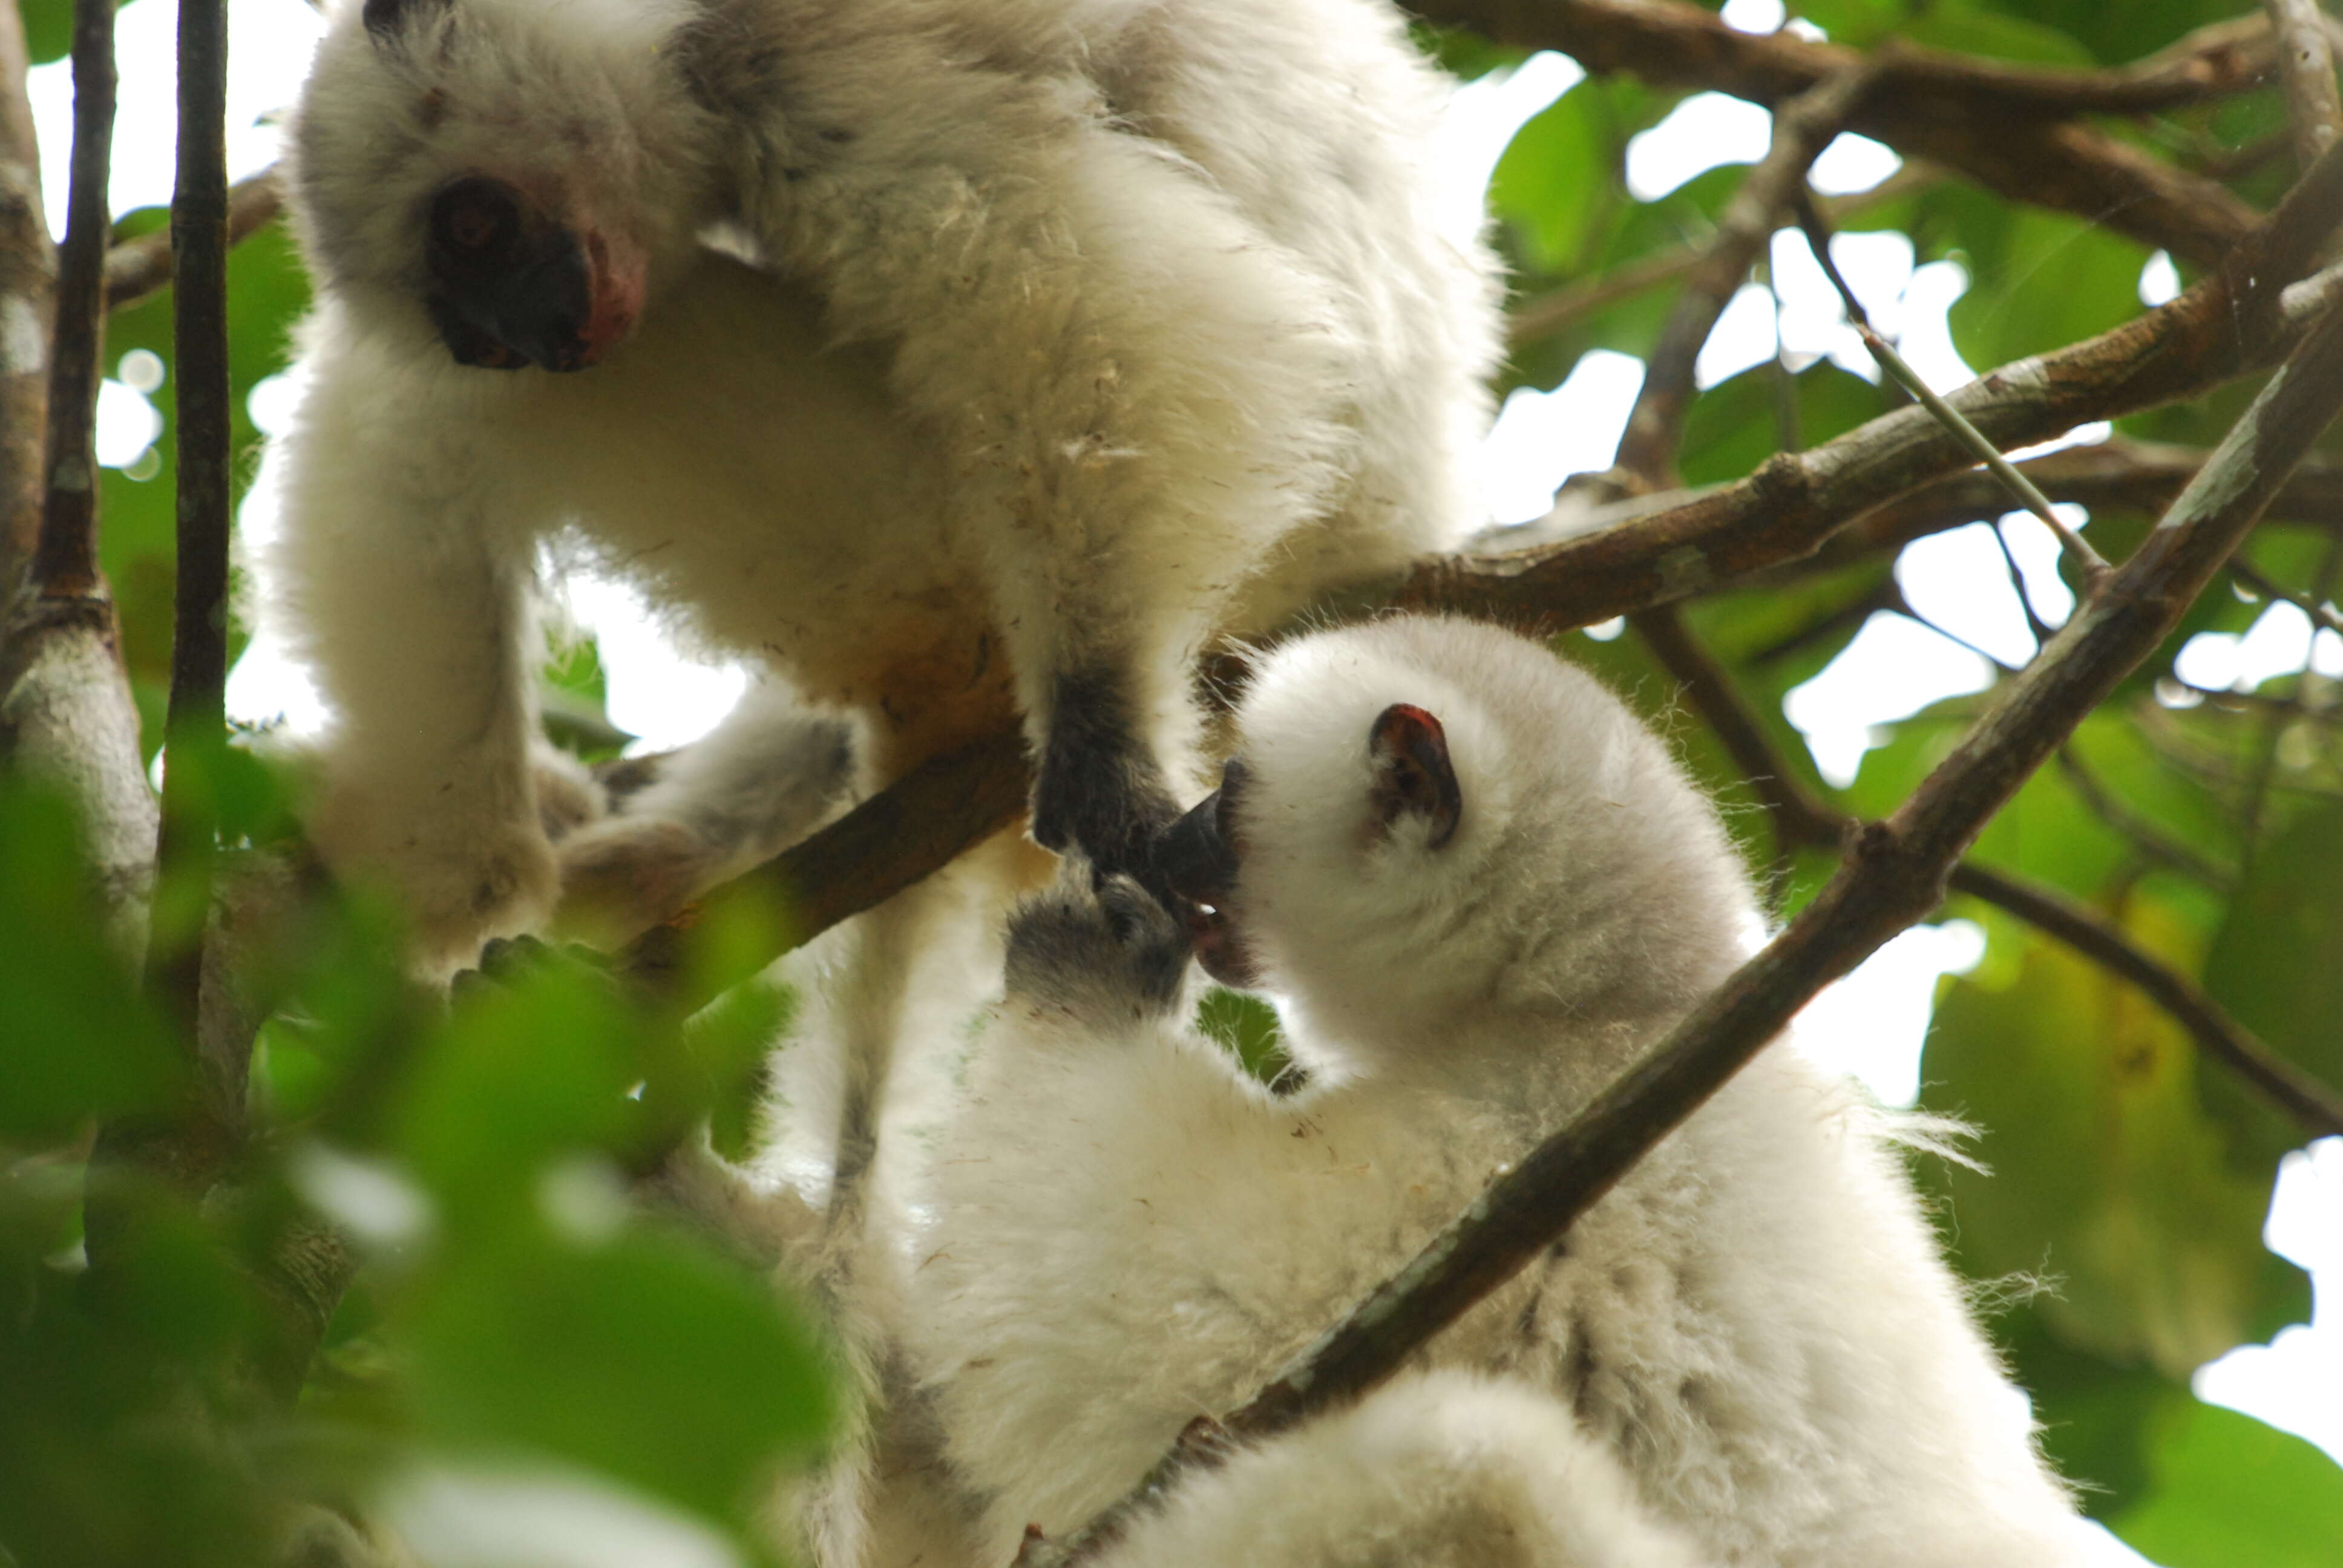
(1480,889)
(1043,343)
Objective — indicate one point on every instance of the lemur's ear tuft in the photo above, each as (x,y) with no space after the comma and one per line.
(1413,775)
(382,17)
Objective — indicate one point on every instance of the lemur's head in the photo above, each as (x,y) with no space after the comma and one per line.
(504,176)
(1427,821)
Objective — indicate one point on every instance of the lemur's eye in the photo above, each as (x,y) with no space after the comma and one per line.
(475,217)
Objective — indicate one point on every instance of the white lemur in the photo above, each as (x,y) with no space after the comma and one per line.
(1074,332)
(1479,888)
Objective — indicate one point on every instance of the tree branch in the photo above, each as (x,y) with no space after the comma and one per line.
(195,727)
(916,826)
(1542,316)
(2306,68)
(65,709)
(2116,475)
(1895,873)
(2006,128)
(137,267)
(1805,126)
(2229,323)
(2313,1105)
(28,271)
(2233,320)
(65,561)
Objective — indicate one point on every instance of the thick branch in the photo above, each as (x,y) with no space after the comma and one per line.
(65,562)
(65,709)
(2215,331)
(2229,322)
(2119,475)
(2004,126)
(28,271)
(137,267)
(865,858)
(1895,873)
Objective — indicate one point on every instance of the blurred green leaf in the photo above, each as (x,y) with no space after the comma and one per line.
(2277,963)
(642,1358)
(48,28)
(2113,1181)
(2039,280)
(77,1039)
(2231,1493)
(522,1073)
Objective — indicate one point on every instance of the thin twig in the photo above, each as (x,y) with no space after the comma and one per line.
(2144,836)
(2312,1105)
(2087,563)
(195,727)
(2268,587)
(1542,316)
(1801,130)
(2306,68)
(137,267)
(65,562)
(1893,874)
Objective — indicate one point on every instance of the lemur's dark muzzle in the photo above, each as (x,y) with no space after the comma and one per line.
(1197,854)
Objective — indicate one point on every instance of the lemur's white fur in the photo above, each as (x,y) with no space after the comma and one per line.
(1437,1470)
(1084,330)
(1755,1325)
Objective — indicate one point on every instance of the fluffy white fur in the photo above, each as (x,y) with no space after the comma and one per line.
(1756,1326)
(1437,1470)
(1078,332)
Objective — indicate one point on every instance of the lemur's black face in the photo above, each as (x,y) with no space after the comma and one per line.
(511,288)
(1199,857)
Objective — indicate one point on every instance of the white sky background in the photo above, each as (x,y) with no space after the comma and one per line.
(1871,1024)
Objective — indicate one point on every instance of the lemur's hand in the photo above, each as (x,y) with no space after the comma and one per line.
(1115,954)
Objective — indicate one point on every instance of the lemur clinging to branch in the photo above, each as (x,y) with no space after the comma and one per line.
(1076,333)
(1479,889)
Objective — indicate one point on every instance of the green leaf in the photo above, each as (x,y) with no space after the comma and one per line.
(1738,423)
(645,1358)
(2110,1179)
(1246,1027)
(2231,1493)
(1555,179)
(521,1074)
(77,1039)
(48,29)
(2097,1416)
(2277,963)
(2038,280)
